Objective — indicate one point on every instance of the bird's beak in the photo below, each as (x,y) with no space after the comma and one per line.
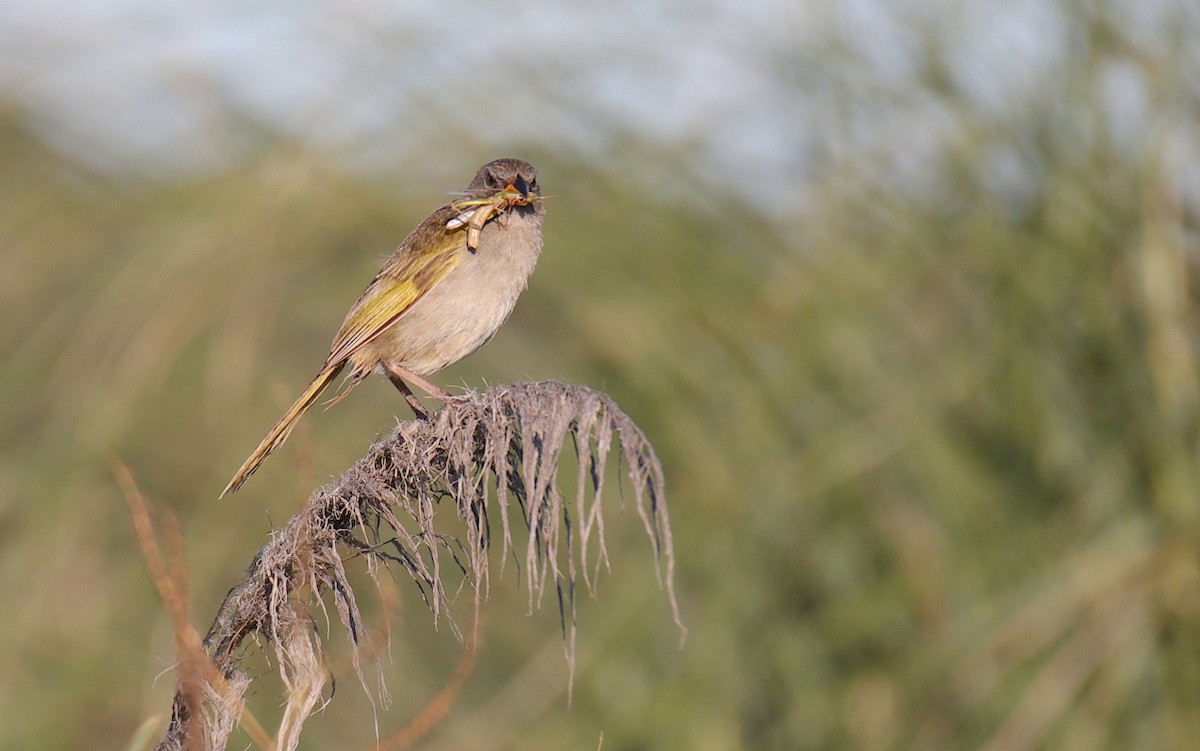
(520,186)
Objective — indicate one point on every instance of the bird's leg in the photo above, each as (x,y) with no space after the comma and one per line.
(418,409)
(398,374)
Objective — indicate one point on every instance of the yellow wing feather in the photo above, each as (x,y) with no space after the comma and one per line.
(426,256)
(404,279)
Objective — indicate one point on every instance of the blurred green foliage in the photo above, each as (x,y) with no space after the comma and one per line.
(932,452)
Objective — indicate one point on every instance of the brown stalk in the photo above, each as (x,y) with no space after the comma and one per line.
(492,459)
(198,679)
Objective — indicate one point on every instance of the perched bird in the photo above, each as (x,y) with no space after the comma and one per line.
(441,296)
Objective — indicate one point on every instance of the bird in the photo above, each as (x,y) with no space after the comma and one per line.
(442,294)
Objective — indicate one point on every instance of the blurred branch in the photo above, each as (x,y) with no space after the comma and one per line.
(439,706)
(199,681)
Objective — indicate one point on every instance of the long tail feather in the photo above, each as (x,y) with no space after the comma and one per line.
(283,428)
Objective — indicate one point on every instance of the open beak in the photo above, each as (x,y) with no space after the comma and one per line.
(520,186)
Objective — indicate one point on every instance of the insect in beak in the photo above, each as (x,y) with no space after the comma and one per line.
(520,186)
(474,213)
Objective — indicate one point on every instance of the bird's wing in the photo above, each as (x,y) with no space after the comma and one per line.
(425,257)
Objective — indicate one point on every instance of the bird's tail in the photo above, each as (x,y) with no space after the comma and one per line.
(283,428)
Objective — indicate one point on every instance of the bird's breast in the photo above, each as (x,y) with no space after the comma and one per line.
(465,309)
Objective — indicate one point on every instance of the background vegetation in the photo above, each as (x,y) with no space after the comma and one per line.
(925,383)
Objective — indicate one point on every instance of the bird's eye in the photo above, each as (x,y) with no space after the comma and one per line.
(491,181)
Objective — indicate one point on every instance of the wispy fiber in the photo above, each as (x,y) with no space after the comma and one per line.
(495,456)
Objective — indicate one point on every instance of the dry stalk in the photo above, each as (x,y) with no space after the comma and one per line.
(495,456)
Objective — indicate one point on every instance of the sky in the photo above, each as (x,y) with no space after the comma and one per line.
(754,93)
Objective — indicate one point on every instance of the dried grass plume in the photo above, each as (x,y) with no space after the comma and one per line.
(497,457)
